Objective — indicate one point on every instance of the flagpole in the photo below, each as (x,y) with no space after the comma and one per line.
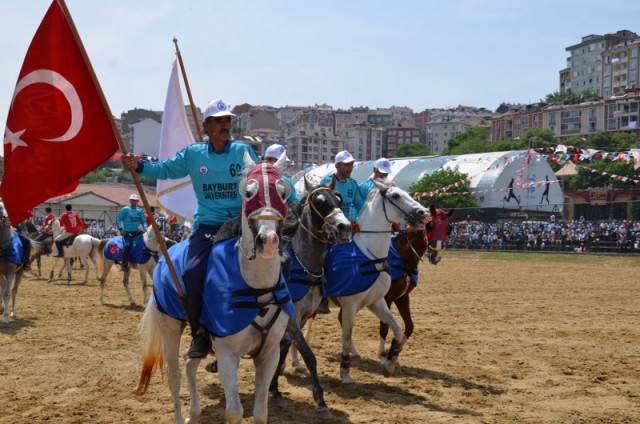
(124,149)
(186,86)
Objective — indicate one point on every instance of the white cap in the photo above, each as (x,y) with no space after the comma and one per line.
(134,197)
(344,157)
(274,151)
(383,165)
(217,108)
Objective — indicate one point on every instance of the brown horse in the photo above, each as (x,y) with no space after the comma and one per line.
(410,246)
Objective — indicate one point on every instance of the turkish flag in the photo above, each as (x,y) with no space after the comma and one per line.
(58,128)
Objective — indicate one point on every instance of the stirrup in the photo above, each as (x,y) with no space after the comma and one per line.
(200,346)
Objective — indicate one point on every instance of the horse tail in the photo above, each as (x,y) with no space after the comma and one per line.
(152,353)
(100,256)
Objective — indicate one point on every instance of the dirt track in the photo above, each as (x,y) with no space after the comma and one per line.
(539,339)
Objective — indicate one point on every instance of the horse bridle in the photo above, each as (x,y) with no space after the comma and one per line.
(408,216)
(420,258)
(252,225)
(325,222)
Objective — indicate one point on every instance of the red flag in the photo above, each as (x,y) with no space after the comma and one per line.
(58,128)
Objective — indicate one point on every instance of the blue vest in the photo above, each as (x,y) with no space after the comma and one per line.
(139,253)
(227,305)
(397,266)
(349,271)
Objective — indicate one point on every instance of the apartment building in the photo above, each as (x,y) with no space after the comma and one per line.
(399,135)
(516,121)
(585,63)
(364,141)
(580,119)
(620,68)
(444,125)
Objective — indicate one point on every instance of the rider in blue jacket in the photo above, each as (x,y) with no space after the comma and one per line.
(215,168)
(130,221)
(346,186)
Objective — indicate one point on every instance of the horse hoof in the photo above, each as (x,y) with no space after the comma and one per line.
(350,385)
(323,413)
(388,371)
(212,367)
(280,402)
(300,369)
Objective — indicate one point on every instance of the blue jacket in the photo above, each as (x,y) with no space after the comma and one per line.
(215,177)
(352,199)
(130,219)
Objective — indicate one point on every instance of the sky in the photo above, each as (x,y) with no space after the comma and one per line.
(416,53)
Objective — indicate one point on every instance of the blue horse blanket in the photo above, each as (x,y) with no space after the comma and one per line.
(397,266)
(298,280)
(139,253)
(349,271)
(228,304)
(13,250)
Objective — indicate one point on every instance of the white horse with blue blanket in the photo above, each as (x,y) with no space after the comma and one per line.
(11,259)
(143,257)
(247,318)
(356,272)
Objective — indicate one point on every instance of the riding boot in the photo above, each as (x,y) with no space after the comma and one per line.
(323,308)
(201,343)
(125,257)
(59,246)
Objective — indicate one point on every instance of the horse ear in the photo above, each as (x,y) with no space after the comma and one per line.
(432,210)
(248,163)
(307,185)
(332,184)
(380,185)
(281,163)
(284,189)
(450,213)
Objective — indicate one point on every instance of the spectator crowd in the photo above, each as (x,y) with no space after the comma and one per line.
(579,235)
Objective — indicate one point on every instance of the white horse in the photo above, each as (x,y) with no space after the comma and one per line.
(84,246)
(256,256)
(10,272)
(386,204)
(104,266)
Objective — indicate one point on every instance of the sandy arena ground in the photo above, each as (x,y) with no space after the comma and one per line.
(535,339)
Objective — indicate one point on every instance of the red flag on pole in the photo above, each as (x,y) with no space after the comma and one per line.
(59,128)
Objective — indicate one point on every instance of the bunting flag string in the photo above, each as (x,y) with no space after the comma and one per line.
(608,174)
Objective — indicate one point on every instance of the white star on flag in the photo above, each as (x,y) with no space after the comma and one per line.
(14,139)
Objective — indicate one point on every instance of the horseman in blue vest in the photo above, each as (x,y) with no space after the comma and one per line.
(216,169)
(347,187)
(130,221)
(381,170)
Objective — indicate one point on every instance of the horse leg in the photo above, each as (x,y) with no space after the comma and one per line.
(14,293)
(125,282)
(5,291)
(381,310)
(384,329)
(228,373)
(354,352)
(143,278)
(295,359)
(266,364)
(39,262)
(194,406)
(347,318)
(53,267)
(103,280)
(85,264)
(69,271)
(299,341)
(285,344)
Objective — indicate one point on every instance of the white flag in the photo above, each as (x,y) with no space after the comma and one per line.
(175,196)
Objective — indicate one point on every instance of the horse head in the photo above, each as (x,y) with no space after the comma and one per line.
(150,239)
(398,206)
(322,208)
(264,207)
(436,232)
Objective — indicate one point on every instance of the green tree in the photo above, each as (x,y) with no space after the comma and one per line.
(443,178)
(588,179)
(568,97)
(412,149)
(474,134)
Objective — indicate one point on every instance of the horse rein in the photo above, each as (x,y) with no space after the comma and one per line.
(325,222)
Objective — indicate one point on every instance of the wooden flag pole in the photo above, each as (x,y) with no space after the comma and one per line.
(186,86)
(124,150)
